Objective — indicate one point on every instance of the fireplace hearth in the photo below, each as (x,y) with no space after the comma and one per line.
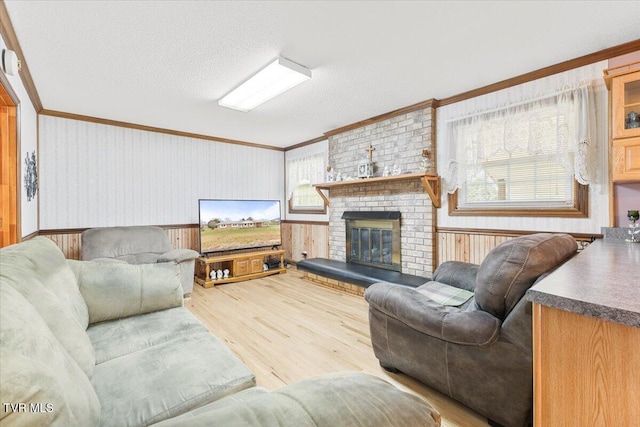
(373,238)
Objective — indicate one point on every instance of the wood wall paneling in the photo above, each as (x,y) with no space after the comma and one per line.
(472,246)
(69,243)
(300,236)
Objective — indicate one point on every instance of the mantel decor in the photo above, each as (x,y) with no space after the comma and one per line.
(431,183)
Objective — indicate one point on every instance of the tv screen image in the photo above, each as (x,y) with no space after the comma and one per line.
(228,225)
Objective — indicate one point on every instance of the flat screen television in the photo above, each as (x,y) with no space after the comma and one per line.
(229,225)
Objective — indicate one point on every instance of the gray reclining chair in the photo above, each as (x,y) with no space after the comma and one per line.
(137,245)
(478,352)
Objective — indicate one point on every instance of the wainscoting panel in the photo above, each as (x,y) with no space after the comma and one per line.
(466,247)
(469,245)
(183,237)
(312,237)
(69,243)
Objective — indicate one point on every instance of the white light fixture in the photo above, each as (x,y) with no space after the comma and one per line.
(276,78)
(10,62)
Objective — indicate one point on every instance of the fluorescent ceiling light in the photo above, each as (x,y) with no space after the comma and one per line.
(276,78)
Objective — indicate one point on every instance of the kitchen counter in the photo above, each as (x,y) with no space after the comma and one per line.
(603,281)
(586,339)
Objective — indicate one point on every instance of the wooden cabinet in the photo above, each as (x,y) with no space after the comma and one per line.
(624,104)
(625,101)
(586,370)
(625,162)
(239,267)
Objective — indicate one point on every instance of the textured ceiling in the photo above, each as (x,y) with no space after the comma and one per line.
(165,63)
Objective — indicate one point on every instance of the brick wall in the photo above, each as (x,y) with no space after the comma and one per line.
(397,140)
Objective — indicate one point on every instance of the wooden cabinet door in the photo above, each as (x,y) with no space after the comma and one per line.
(626,159)
(624,102)
(256,265)
(241,267)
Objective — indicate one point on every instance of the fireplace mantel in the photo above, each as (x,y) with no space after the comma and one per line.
(431,183)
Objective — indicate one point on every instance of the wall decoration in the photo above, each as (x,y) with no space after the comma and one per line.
(31,176)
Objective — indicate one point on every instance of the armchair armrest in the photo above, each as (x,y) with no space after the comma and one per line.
(459,274)
(116,290)
(447,323)
(178,255)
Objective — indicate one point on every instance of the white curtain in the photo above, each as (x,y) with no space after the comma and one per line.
(521,119)
(305,170)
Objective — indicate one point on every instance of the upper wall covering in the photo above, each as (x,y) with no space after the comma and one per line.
(95,175)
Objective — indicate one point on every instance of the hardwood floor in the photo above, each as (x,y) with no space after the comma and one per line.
(286,329)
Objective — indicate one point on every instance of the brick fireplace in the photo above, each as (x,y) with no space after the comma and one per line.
(398,140)
(416,226)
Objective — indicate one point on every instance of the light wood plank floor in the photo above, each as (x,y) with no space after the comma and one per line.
(286,329)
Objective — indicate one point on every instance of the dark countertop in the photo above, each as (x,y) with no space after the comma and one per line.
(603,281)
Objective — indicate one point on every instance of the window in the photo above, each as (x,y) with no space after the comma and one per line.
(525,159)
(302,173)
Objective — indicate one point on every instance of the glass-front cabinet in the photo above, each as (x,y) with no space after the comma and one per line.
(624,83)
(626,105)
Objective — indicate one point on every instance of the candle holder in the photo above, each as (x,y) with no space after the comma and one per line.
(634,227)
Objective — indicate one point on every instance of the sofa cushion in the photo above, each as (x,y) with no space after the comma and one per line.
(116,290)
(240,397)
(36,369)
(337,399)
(38,270)
(167,380)
(121,337)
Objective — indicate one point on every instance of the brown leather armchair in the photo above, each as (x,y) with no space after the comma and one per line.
(478,352)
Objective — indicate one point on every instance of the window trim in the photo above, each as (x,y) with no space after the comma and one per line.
(313,210)
(580,208)
(321,207)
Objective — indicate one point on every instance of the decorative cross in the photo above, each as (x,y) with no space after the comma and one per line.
(370,151)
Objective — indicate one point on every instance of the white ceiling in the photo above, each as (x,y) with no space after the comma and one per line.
(165,63)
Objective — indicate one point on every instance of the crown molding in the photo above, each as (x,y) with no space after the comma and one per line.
(601,55)
(305,143)
(581,61)
(109,122)
(430,103)
(10,38)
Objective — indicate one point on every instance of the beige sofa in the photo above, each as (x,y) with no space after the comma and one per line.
(110,344)
(138,244)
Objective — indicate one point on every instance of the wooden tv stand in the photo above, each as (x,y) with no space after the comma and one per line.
(241,267)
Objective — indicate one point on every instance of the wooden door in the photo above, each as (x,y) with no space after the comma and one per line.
(9,159)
